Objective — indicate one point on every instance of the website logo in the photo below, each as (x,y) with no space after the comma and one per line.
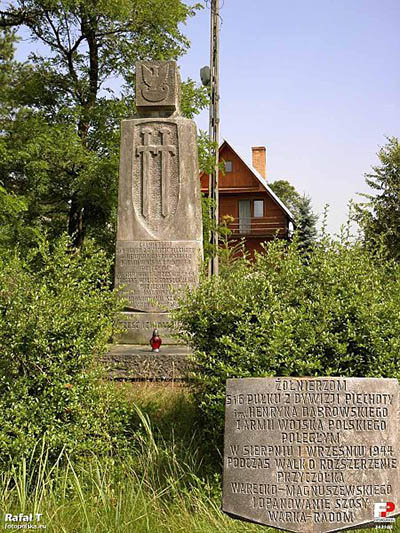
(381,509)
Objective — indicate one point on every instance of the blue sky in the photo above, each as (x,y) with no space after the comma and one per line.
(316,82)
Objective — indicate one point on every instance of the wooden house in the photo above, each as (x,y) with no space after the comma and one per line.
(258,214)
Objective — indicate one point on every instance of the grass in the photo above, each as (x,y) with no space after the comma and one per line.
(101,497)
(159,488)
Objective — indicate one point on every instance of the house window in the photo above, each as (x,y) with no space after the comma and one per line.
(244,216)
(258,208)
(228,166)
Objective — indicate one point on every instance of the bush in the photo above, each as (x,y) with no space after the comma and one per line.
(333,314)
(56,317)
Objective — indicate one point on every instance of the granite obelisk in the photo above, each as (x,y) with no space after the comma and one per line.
(159,237)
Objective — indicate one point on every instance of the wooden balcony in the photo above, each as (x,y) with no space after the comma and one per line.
(258,227)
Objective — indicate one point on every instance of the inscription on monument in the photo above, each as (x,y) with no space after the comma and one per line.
(311,454)
(155,271)
(137,325)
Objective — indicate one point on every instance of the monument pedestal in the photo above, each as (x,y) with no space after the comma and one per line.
(139,363)
(139,327)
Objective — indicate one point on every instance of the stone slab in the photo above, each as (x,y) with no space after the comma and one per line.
(139,328)
(312,454)
(159,187)
(131,362)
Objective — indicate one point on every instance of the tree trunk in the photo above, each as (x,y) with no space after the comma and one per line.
(75,223)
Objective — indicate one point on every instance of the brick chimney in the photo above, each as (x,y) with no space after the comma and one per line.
(259,159)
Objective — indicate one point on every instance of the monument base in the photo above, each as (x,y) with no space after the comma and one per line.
(139,363)
(139,328)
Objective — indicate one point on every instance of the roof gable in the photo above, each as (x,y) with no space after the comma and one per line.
(257,177)
(240,175)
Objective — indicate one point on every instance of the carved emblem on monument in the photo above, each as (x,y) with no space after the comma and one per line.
(155,78)
(156,183)
(157,87)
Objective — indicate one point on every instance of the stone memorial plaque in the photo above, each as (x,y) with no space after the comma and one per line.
(154,271)
(312,454)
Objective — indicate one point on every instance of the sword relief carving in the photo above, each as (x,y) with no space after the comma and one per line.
(146,149)
(165,150)
(155,172)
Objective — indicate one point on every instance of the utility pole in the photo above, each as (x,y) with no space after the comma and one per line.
(213,192)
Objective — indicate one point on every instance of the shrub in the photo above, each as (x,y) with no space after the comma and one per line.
(334,314)
(56,317)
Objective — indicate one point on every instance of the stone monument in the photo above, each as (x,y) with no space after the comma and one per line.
(159,237)
(312,454)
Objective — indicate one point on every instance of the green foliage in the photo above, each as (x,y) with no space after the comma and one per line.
(56,317)
(288,194)
(194,98)
(306,224)
(59,116)
(379,216)
(48,166)
(161,487)
(206,153)
(11,226)
(207,156)
(332,315)
(7,48)
(300,206)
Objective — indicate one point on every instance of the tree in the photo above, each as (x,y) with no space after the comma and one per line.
(11,206)
(61,128)
(306,224)
(379,216)
(300,206)
(288,194)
